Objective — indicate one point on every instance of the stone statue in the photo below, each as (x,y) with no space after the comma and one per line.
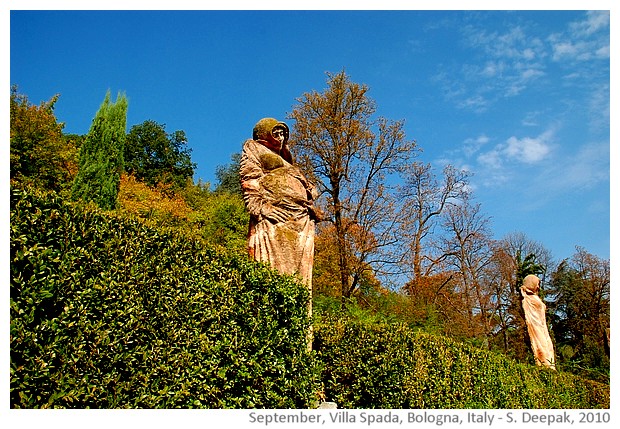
(534,309)
(280,201)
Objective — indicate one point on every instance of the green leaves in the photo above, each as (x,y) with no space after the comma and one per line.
(154,156)
(382,365)
(101,155)
(108,313)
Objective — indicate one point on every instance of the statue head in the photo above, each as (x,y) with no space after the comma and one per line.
(271,130)
(531,284)
(279,133)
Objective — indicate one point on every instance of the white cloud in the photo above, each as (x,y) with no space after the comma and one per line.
(473,145)
(507,62)
(582,170)
(492,159)
(493,68)
(602,52)
(526,150)
(564,49)
(476,103)
(579,51)
(595,20)
(531,119)
(584,40)
(512,60)
(598,109)
(531,73)
(514,44)
(529,54)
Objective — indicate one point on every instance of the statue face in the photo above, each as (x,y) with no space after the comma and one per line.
(278,134)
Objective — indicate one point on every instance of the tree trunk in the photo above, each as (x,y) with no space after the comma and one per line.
(341,240)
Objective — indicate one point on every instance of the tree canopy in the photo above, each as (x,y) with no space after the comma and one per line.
(580,293)
(156,157)
(350,153)
(228,176)
(39,152)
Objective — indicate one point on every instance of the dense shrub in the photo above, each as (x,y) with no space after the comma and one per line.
(388,365)
(156,205)
(39,152)
(106,312)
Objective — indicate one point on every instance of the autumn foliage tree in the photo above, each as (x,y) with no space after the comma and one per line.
(424,198)
(39,152)
(351,154)
(469,254)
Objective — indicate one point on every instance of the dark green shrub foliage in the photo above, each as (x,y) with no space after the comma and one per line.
(374,365)
(106,312)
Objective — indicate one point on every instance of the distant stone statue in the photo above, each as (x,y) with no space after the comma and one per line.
(535,318)
(280,201)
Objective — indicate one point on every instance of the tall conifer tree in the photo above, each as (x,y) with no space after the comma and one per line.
(101,155)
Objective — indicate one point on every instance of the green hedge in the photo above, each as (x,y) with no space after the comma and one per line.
(373,365)
(108,313)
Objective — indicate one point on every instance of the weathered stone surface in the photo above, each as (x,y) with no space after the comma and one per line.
(280,202)
(535,318)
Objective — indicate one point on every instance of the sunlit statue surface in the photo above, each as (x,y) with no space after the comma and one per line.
(534,309)
(280,201)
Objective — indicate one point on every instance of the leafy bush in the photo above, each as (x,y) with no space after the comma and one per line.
(39,152)
(224,221)
(383,365)
(107,312)
(152,204)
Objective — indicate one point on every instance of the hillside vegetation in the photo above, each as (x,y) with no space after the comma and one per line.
(391,366)
(107,312)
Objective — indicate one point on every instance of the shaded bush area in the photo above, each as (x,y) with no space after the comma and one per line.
(107,312)
(388,365)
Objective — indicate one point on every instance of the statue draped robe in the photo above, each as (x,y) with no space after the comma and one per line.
(535,319)
(272,185)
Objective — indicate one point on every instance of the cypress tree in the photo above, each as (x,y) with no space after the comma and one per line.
(101,155)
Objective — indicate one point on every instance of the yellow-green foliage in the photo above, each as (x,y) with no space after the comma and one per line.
(39,153)
(382,365)
(219,219)
(153,204)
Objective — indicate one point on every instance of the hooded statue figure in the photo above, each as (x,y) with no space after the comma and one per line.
(280,202)
(536,321)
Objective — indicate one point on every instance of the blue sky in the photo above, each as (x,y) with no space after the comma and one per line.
(519,98)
